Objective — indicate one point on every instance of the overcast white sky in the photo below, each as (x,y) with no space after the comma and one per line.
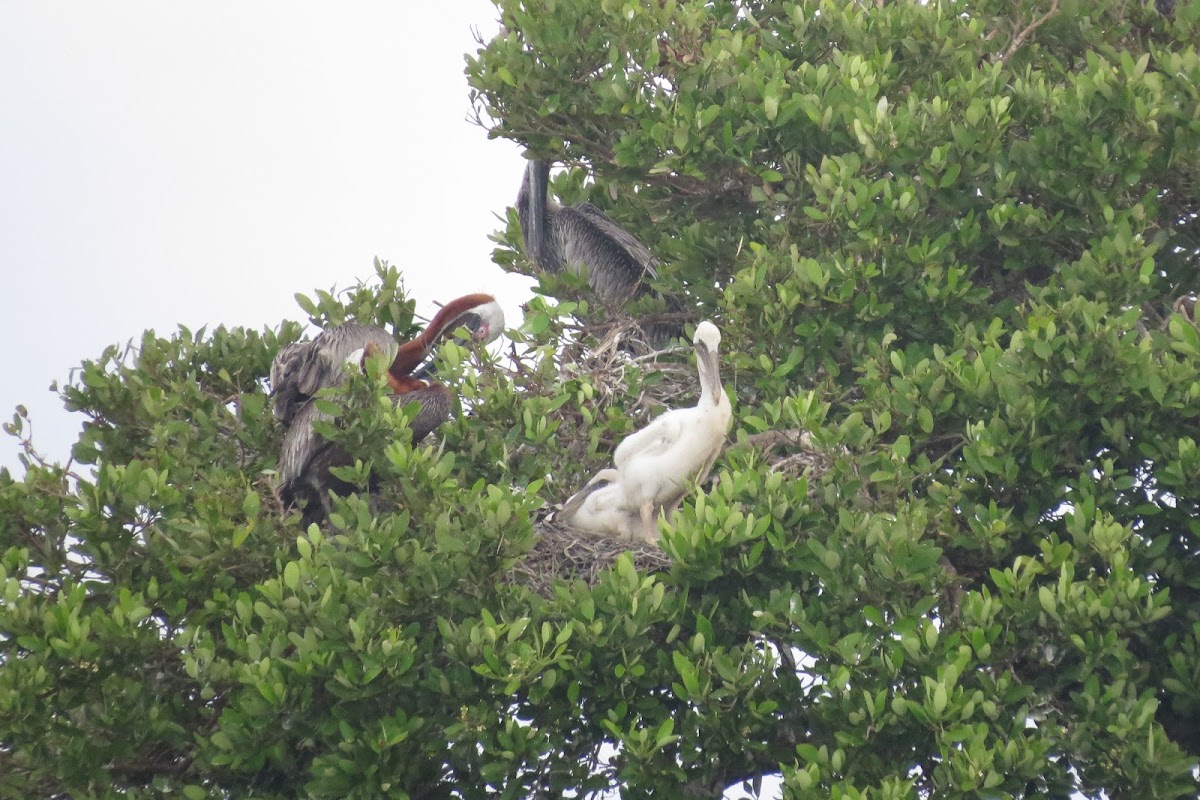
(166,163)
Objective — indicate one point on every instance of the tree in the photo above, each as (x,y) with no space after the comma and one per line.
(952,249)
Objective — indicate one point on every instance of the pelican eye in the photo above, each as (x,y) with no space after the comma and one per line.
(472,322)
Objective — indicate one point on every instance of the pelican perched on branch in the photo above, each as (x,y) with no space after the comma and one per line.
(558,238)
(300,370)
(655,465)
(569,237)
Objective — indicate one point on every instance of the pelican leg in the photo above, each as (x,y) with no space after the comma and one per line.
(649,523)
(326,503)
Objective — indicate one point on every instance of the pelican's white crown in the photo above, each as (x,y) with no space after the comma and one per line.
(709,334)
(492,317)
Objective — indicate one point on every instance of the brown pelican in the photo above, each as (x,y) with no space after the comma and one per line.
(300,370)
(569,237)
(599,507)
(556,237)
(657,463)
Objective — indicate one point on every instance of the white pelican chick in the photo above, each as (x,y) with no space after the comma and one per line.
(599,508)
(657,463)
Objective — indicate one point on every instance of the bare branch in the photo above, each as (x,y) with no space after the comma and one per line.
(1018,42)
(769,440)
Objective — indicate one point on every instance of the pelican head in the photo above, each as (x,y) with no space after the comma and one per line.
(484,321)
(707,340)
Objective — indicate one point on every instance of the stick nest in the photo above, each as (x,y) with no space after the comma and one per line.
(605,353)
(564,553)
(620,343)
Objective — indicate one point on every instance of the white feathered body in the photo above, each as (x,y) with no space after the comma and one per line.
(657,463)
(599,508)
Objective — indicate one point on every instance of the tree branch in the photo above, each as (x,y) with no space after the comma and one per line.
(769,440)
(1021,37)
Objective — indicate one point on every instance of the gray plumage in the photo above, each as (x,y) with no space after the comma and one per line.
(306,457)
(300,369)
(298,372)
(570,237)
(558,238)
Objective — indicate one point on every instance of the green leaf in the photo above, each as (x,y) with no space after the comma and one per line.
(1046,598)
(939,699)
(771,106)
(251,504)
(291,575)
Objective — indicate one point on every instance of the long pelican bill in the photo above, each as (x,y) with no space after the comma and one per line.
(710,376)
(537,175)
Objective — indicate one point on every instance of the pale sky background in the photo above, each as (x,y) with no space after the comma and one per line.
(166,163)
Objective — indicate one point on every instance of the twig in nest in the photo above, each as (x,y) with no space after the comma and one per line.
(621,343)
(808,457)
(769,440)
(799,462)
(564,553)
(1019,41)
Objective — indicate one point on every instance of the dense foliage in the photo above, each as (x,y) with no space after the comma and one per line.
(955,244)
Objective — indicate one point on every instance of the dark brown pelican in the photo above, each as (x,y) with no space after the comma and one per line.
(558,238)
(656,465)
(301,370)
(570,237)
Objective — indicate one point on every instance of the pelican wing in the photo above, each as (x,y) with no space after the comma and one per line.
(620,237)
(617,263)
(300,370)
(652,440)
(284,370)
(570,508)
(599,508)
(306,457)
(436,408)
(325,365)
(299,443)
(619,266)
(304,463)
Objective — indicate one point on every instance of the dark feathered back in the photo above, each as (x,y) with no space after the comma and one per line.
(287,397)
(306,458)
(619,267)
(300,370)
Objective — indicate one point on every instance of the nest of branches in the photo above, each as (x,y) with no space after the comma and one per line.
(561,552)
(621,343)
(565,553)
(803,456)
(605,353)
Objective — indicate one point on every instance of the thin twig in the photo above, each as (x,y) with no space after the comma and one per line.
(769,440)
(1019,41)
